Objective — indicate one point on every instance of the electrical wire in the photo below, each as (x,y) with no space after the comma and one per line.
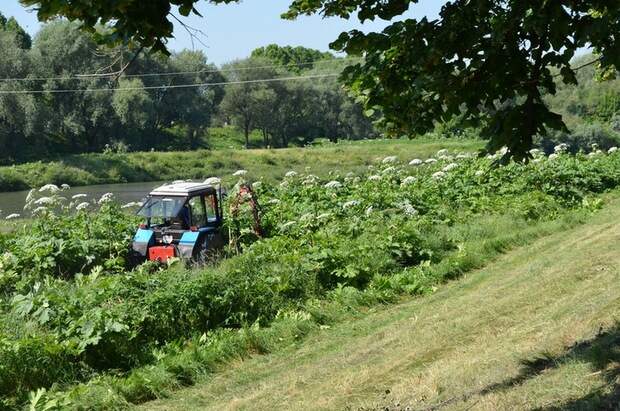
(175,86)
(175,73)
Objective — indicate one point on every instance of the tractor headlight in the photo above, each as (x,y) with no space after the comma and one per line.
(167,239)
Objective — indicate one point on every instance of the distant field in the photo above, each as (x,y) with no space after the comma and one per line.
(270,164)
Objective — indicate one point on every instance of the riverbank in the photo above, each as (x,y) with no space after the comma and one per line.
(270,164)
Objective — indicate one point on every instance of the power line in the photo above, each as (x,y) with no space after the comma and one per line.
(221,83)
(584,65)
(175,73)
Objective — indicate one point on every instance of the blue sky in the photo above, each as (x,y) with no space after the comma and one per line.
(234,30)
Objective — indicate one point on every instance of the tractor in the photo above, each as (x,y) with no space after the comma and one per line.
(185,220)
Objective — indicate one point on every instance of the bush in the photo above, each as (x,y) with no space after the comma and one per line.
(582,138)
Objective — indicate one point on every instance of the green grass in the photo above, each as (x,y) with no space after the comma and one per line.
(271,164)
(536,329)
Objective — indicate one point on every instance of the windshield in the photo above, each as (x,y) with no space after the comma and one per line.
(162,207)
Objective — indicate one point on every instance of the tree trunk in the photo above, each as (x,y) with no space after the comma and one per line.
(246,131)
(265,138)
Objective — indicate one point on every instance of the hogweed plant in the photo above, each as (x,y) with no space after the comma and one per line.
(69,300)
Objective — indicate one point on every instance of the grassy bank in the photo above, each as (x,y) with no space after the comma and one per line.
(536,329)
(330,248)
(86,169)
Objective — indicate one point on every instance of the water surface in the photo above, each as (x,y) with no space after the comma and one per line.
(13,202)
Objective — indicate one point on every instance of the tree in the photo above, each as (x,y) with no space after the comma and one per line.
(244,102)
(490,61)
(11,25)
(132,104)
(75,121)
(294,59)
(193,107)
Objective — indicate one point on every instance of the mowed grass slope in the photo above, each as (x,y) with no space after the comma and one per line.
(537,329)
(270,164)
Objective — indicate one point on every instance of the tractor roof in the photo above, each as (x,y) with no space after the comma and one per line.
(182,189)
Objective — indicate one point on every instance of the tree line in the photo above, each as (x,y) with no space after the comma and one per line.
(82,118)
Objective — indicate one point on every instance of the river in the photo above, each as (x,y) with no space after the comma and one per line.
(13,202)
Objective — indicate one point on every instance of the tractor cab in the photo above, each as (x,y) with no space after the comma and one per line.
(181,220)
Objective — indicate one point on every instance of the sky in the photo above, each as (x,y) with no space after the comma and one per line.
(232,31)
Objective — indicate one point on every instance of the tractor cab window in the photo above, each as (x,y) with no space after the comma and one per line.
(198,211)
(212,208)
(161,210)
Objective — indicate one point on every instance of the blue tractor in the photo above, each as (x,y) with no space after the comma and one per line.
(183,220)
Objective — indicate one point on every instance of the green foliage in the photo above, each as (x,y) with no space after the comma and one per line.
(583,137)
(142,118)
(44,125)
(357,239)
(294,59)
(291,112)
(489,61)
(12,26)
(130,21)
(62,243)
(112,166)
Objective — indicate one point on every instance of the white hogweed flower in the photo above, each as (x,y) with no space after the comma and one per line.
(105,198)
(290,174)
(52,188)
(310,179)
(75,197)
(389,170)
(450,167)
(44,201)
(442,152)
(408,209)
(560,148)
(240,173)
(374,178)
(479,173)
(30,195)
(333,184)
(213,181)
(553,156)
(39,210)
(12,216)
(612,150)
(431,161)
(82,206)
(439,175)
(65,187)
(408,181)
(416,162)
(129,205)
(390,160)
